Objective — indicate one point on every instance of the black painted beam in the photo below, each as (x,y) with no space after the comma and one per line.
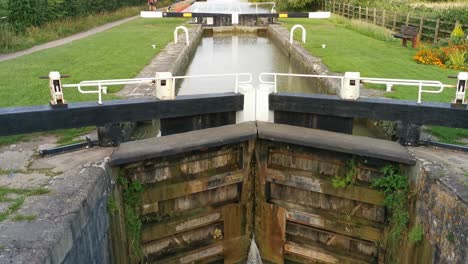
(20,120)
(426,113)
(270,15)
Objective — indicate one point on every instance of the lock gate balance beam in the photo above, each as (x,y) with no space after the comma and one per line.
(21,120)
(410,112)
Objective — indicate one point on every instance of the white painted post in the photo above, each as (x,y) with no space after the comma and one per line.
(55,86)
(389,87)
(248,112)
(235,18)
(263,112)
(291,35)
(165,88)
(461,88)
(350,87)
(176,32)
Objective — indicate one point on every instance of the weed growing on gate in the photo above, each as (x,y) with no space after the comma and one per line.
(416,235)
(396,190)
(132,191)
(350,175)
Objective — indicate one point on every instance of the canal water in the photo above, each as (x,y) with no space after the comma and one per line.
(227,53)
(239,53)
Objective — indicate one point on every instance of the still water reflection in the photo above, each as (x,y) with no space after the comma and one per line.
(235,54)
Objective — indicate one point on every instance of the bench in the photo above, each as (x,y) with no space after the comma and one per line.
(408,33)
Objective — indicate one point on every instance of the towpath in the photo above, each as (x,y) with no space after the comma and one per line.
(60,42)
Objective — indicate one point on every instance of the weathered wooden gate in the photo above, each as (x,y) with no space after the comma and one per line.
(205,192)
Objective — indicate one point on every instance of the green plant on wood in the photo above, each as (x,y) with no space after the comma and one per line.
(349,177)
(451,237)
(416,235)
(395,188)
(132,198)
(112,207)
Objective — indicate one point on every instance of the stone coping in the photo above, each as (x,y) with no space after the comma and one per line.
(213,137)
(344,143)
(179,143)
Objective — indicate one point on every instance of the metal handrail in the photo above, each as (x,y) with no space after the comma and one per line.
(304,33)
(102,84)
(275,79)
(176,35)
(389,82)
(236,90)
(409,82)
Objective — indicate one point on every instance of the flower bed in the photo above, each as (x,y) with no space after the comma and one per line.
(453,55)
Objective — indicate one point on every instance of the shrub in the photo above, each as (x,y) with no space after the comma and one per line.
(457,36)
(26,13)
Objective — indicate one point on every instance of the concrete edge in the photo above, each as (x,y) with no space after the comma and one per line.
(303,58)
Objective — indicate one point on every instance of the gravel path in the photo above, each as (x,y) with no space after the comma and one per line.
(59,42)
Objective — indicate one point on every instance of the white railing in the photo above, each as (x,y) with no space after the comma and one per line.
(291,35)
(236,75)
(421,84)
(408,82)
(176,34)
(275,77)
(102,84)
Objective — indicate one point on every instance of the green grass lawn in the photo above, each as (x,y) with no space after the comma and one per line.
(120,52)
(349,50)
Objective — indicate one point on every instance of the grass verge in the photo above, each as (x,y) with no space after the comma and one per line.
(10,42)
(15,199)
(120,52)
(353,47)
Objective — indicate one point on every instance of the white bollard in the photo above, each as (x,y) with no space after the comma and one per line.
(460,93)
(165,88)
(350,87)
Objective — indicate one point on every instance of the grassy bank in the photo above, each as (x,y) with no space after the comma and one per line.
(9,41)
(353,47)
(120,52)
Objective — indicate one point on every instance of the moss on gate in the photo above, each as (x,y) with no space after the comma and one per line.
(396,190)
(132,191)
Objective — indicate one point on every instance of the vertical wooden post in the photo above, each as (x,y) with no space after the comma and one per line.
(367,14)
(421,23)
(383,18)
(407,19)
(375,15)
(394,21)
(436,33)
(359,13)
